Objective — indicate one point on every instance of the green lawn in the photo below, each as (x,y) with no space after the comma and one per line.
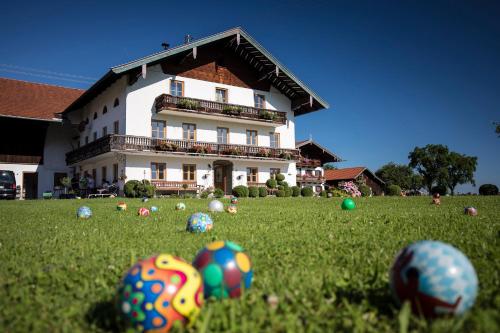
(329,268)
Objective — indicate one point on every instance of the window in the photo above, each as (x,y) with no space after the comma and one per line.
(95,135)
(158,129)
(317,173)
(95,115)
(176,88)
(222,135)
(116,127)
(104,174)
(252,175)
(104,111)
(251,137)
(87,140)
(116,102)
(189,131)
(309,173)
(259,101)
(94,174)
(189,172)
(158,171)
(105,131)
(221,95)
(58,176)
(318,188)
(275,171)
(115,173)
(274,140)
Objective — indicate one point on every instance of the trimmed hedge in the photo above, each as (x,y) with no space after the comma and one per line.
(295,191)
(138,189)
(488,189)
(262,192)
(240,191)
(288,191)
(218,193)
(393,190)
(307,191)
(271,183)
(253,191)
(280,193)
(280,177)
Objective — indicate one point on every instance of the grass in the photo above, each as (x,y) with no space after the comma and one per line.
(328,268)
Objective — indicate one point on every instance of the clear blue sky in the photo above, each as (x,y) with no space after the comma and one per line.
(398,74)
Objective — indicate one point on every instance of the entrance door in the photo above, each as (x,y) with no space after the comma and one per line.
(223,173)
(30,185)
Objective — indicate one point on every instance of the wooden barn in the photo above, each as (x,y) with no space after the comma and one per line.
(334,177)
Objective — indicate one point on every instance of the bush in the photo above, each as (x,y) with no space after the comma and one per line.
(441,189)
(393,190)
(280,193)
(338,193)
(138,189)
(240,191)
(307,191)
(204,194)
(271,183)
(488,189)
(253,191)
(365,190)
(323,194)
(283,183)
(288,191)
(295,191)
(262,192)
(218,193)
(280,177)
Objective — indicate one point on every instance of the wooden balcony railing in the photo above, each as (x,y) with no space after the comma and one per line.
(310,179)
(115,142)
(165,101)
(307,162)
(176,186)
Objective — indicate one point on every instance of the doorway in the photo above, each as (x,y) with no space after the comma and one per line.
(223,176)
(30,185)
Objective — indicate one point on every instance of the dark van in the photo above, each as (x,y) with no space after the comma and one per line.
(7,184)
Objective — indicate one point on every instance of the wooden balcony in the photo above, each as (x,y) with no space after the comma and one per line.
(310,179)
(124,143)
(308,163)
(200,106)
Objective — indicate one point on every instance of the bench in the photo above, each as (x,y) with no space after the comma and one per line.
(176,186)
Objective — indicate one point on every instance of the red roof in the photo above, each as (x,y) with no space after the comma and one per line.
(343,174)
(34,100)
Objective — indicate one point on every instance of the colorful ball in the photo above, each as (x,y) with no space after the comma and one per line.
(84,212)
(180,206)
(470,211)
(121,206)
(154,209)
(145,199)
(158,292)
(143,211)
(215,206)
(435,277)
(234,200)
(232,209)
(199,222)
(348,204)
(226,270)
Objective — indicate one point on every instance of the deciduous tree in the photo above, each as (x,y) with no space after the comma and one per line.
(461,170)
(431,163)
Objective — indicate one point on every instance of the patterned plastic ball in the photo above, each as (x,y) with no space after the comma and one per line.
(215,206)
(121,206)
(143,211)
(145,199)
(234,200)
(199,222)
(154,209)
(84,212)
(436,278)
(158,292)
(231,209)
(180,206)
(471,211)
(225,268)
(348,204)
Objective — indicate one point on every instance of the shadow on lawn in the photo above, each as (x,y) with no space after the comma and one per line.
(380,298)
(104,316)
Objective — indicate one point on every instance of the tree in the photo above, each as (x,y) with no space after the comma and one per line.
(497,128)
(329,166)
(399,174)
(431,163)
(461,170)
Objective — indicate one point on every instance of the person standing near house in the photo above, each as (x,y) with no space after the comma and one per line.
(91,183)
(83,184)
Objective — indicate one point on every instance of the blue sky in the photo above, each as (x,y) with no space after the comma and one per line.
(397,74)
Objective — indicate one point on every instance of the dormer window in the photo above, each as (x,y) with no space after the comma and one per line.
(260,101)
(104,110)
(116,102)
(176,88)
(221,95)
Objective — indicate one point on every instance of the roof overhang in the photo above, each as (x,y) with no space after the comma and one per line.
(53,120)
(329,156)
(304,99)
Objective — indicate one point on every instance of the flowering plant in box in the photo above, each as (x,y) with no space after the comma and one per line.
(350,188)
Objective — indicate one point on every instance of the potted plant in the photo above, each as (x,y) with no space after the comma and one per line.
(286,156)
(264,114)
(232,110)
(263,152)
(166,146)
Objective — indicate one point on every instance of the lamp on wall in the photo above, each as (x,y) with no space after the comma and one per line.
(239,177)
(209,166)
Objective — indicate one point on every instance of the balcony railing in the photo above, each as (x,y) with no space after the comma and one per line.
(168,102)
(310,179)
(115,142)
(307,162)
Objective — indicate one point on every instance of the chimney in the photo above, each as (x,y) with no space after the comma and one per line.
(165,45)
(188,39)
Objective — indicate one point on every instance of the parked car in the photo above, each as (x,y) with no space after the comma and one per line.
(7,184)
